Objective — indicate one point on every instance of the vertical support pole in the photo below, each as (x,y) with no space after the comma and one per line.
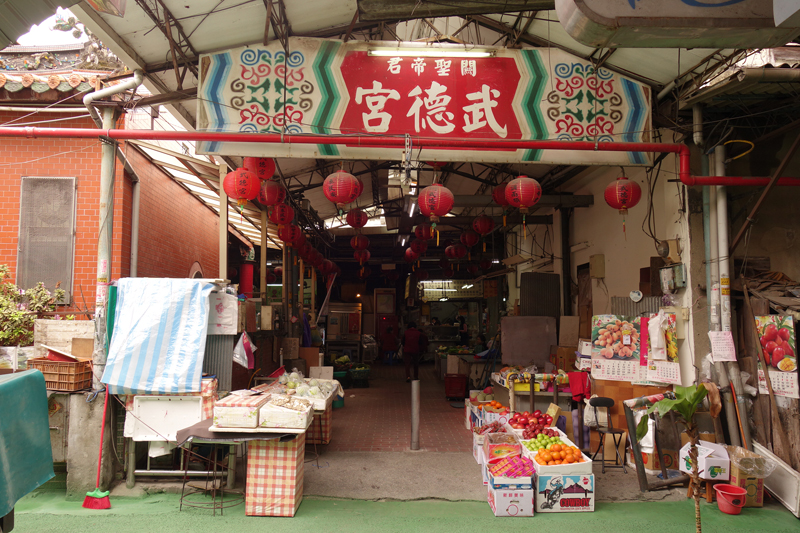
(644,485)
(135,203)
(223,225)
(262,279)
(301,293)
(313,311)
(104,248)
(566,266)
(415,414)
(287,275)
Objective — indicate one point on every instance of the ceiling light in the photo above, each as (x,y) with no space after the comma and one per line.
(429,52)
(403,242)
(411,209)
(358,295)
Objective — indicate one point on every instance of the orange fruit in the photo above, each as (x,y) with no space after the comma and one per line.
(569,459)
(558,462)
(547,456)
(551,463)
(555,448)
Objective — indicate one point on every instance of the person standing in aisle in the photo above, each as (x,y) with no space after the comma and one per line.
(415,343)
(463,330)
(389,345)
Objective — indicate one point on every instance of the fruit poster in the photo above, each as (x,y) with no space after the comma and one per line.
(779,343)
(615,348)
(662,363)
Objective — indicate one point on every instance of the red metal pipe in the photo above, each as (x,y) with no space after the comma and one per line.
(398,141)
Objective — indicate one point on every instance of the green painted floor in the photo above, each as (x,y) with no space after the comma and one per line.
(49,512)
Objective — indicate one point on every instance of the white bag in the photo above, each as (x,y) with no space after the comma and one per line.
(589,418)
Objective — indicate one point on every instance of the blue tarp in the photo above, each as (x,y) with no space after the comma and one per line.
(159,336)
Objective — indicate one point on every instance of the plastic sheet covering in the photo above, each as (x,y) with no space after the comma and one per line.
(26,459)
(751,463)
(159,336)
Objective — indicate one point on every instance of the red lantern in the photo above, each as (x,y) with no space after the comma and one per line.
(341,188)
(623,194)
(435,201)
(523,192)
(424,232)
(365,272)
(472,268)
(499,195)
(281,214)
(393,275)
(485,265)
(410,256)
(419,247)
(291,235)
(483,225)
(271,193)
(422,275)
(316,259)
(271,278)
(444,262)
(327,267)
(305,251)
(241,185)
(456,251)
(360,187)
(469,238)
(359,242)
(263,167)
(362,256)
(357,218)
(278,271)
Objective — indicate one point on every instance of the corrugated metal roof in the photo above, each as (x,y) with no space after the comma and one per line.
(19,49)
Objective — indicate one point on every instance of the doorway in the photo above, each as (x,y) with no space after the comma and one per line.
(584,301)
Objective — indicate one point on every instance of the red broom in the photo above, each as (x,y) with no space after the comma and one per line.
(98,499)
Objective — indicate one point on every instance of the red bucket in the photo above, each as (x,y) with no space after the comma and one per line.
(730,498)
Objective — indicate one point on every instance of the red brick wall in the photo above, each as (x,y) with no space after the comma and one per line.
(175,229)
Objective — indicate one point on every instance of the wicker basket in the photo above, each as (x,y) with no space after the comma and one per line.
(64,376)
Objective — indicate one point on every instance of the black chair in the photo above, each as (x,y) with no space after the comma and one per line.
(618,434)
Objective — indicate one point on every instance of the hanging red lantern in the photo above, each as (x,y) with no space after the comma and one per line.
(485,265)
(444,262)
(523,192)
(499,195)
(393,275)
(360,187)
(472,268)
(359,242)
(327,266)
(281,214)
(410,256)
(362,256)
(271,193)
(316,259)
(291,235)
(341,188)
(469,238)
(622,194)
(435,201)
(278,271)
(357,218)
(262,167)
(241,185)
(424,232)
(460,250)
(271,278)
(450,252)
(483,225)
(419,247)
(365,272)
(422,275)
(305,251)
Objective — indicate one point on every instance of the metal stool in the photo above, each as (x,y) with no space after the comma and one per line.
(215,476)
(617,435)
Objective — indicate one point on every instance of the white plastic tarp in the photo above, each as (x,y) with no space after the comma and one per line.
(159,336)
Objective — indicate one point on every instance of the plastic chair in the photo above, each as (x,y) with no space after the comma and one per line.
(617,435)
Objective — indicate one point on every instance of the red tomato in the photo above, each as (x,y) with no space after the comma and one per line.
(771,332)
(784,334)
(777,355)
(771,345)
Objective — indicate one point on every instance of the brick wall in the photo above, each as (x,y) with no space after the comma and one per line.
(175,229)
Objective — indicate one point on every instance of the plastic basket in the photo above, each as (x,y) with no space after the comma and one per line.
(455,385)
(63,376)
(359,373)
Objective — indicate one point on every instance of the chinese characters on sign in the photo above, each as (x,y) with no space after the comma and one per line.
(429,96)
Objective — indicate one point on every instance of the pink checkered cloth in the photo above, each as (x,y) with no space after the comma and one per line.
(274,477)
(319,432)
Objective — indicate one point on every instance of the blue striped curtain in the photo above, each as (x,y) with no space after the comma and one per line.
(159,336)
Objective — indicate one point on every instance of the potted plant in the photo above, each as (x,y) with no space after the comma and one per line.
(687,401)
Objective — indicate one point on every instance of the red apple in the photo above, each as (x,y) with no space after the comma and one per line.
(537,413)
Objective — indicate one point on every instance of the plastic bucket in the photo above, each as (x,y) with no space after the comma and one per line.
(730,498)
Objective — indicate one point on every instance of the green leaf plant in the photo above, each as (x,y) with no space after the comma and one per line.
(687,401)
(19,308)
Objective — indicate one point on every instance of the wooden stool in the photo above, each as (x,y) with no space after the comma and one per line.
(709,488)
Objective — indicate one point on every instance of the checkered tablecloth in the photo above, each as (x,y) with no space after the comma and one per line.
(274,477)
(321,427)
